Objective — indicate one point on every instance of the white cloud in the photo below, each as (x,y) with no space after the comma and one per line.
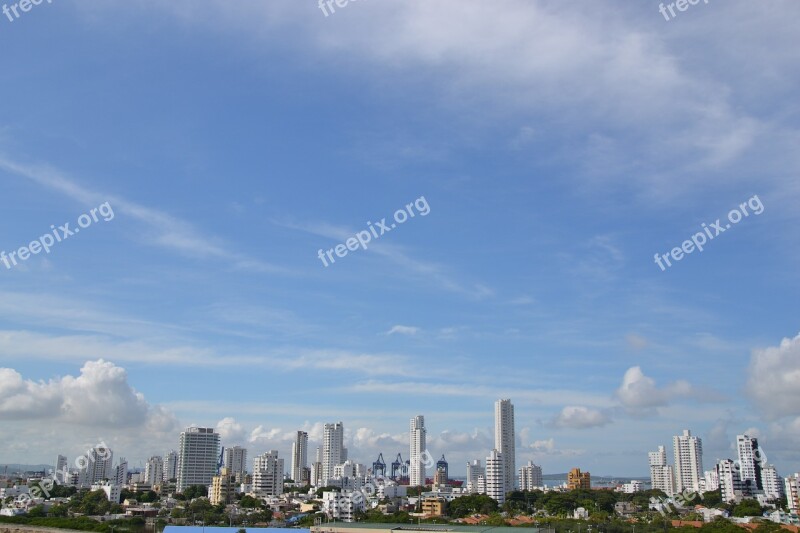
(773,378)
(638,391)
(580,417)
(230,431)
(403,330)
(636,342)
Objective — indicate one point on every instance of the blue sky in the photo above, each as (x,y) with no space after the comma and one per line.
(558,147)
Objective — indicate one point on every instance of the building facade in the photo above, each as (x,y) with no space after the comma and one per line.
(688,452)
(475,471)
(505,441)
(154,471)
(495,477)
(333,450)
(299,457)
(198,453)
(730,484)
(417,437)
(268,474)
(530,477)
(749,463)
(235,460)
(579,480)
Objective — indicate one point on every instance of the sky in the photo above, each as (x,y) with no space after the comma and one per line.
(548,150)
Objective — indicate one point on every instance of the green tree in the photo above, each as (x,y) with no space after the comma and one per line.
(747,508)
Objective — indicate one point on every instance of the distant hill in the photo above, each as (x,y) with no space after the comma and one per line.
(14,468)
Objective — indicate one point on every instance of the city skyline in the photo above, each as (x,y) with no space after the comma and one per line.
(402,208)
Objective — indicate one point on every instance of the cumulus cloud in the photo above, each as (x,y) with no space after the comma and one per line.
(640,392)
(403,330)
(580,417)
(230,431)
(99,396)
(547,448)
(773,378)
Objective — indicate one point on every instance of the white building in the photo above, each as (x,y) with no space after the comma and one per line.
(495,477)
(235,460)
(121,473)
(749,463)
(171,465)
(154,471)
(343,505)
(771,483)
(268,474)
(504,441)
(299,456)
(475,471)
(530,476)
(95,466)
(730,483)
(113,492)
(711,478)
(198,452)
(333,450)
(791,485)
(417,433)
(688,451)
(634,486)
(661,474)
(62,470)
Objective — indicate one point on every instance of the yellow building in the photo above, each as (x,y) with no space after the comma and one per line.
(223,488)
(578,480)
(433,507)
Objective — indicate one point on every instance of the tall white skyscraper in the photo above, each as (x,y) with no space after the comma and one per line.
(495,477)
(729,481)
(505,441)
(416,476)
(299,456)
(198,452)
(749,463)
(475,472)
(235,460)
(688,451)
(121,472)
(154,471)
(661,475)
(171,465)
(95,466)
(268,474)
(530,476)
(333,450)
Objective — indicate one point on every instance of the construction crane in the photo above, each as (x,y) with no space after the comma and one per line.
(379,467)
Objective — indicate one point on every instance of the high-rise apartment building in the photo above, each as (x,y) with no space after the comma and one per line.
(299,456)
(729,481)
(95,466)
(688,451)
(417,434)
(495,477)
(61,475)
(154,471)
(475,471)
(268,474)
(171,466)
(530,477)
(235,460)
(198,453)
(333,450)
(579,480)
(661,474)
(791,484)
(505,441)
(121,473)
(771,482)
(749,463)
(223,487)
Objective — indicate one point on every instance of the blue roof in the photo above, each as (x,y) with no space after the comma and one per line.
(199,529)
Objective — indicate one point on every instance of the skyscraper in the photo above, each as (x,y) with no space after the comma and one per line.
(235,460)
(171,465)
(333,450)
(154,471)
(504,441)
(688,452)
(495,477)
(474,472)
(61,474)
(299,456)
(661,475)
(198,451)
(530,476)
(749,463)
(95,466)
(772,482)
(416,476)
(729,481)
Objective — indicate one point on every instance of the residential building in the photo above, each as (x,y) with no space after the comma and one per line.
(688,452)
(120,476)
(343,505)
(417,434)
(504,441)
(268,474)
(730,483)
(711,480)
(299,456)
(433,507)
(198,453)
(62,470)
(661,474)
(171,466)
(474,471)
(791,484)
(154,471)
(772,483)
(113,492)
(95,466)
(235,460)
(530,477)
(333,450)
(578,480)
(495,477)
(749,464)
(223,487)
